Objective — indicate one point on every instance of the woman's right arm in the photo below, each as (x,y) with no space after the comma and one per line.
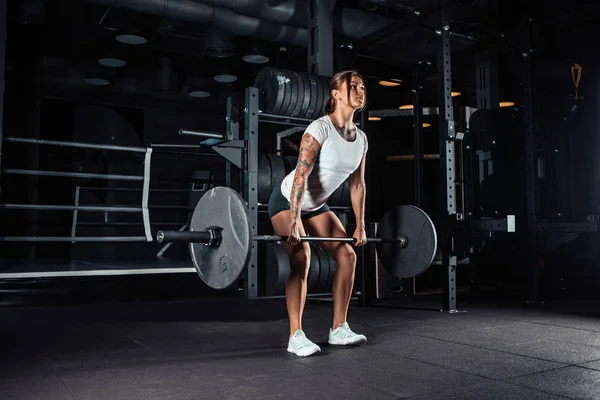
(309,151)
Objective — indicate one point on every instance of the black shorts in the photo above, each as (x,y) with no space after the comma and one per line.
(278,203)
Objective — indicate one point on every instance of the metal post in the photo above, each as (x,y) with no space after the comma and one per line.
(530,156)
(3,12)
(488,85)
(447,161)
(320,37)
(364,126)
(417,127)
(75,212)
(372,286)
(251,184)
(146,193)
(232,129)
(486,66)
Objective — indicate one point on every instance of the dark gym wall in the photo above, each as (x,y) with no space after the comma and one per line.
(392,182)
(567,132)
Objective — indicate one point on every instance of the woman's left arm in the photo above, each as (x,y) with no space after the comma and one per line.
(358,193)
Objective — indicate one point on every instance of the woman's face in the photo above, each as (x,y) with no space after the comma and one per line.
(358,94)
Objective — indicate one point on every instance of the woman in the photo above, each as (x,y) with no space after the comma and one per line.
(332,149)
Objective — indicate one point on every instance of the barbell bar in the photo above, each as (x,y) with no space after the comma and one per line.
(212,237)
(220,238)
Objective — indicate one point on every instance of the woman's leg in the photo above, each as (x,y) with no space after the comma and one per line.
(296,287)
(328,224)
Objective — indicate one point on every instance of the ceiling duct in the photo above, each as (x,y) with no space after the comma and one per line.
(218,43)
(353,24)
(205,14)
(289,12)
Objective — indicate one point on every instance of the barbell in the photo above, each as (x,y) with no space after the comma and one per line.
(220,239)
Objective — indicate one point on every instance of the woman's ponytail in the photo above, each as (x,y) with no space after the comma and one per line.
(329,106)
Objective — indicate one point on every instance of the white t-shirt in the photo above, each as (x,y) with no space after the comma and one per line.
(337,159)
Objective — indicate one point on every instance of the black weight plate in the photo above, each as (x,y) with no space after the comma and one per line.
(300,92)
(295,93)
(282,82)
(264,179)
(278,82)
(289,92)
(219,267)
(325,94)
(415,225)
(306,99)
(314,271)
(278,267)
(277,171)
(275,91)
(267,88)
(318,97)
(323,268)
(310,111)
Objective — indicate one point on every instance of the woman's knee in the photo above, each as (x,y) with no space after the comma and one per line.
(300,256)
(345,254)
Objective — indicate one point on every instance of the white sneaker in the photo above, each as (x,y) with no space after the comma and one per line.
(301,346)
(344,336)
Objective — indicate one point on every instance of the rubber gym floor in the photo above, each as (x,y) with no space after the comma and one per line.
(220,348)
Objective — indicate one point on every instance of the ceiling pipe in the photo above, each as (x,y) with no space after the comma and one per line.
(223,18)
(289,12)
(353,24)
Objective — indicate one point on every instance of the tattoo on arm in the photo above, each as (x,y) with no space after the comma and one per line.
(309,151)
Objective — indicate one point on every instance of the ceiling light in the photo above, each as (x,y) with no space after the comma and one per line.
(426,124)
(199,94)
(374,118)
(407,107)
(507,104)
(256,59)
(225,78)
(97,81)
(454,94)
(131,39)
(112,62)
(391,82)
